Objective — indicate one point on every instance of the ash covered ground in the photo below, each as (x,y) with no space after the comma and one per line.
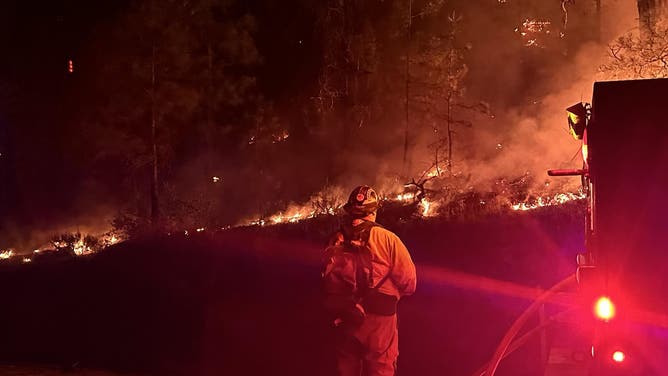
(246,301)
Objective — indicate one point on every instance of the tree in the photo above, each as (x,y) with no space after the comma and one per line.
(438,89)
(639,56)
(179,82)
(365,79)
(349,58)
(428,9)
(649,15)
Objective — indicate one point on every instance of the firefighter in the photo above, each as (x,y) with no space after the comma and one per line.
(372,347)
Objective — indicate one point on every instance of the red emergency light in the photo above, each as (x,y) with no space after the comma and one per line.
(618,356)
(604,308)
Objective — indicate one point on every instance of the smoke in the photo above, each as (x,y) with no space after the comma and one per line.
(86,218)
(518,96)
(528,90)
(618,17)
(522,93)
(515,98)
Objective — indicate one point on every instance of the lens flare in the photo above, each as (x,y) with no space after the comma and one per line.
(618,356)
(604,309)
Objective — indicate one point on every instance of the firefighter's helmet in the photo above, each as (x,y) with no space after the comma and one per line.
(362,201)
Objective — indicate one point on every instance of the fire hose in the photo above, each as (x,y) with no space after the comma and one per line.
(505,343)
(516,344)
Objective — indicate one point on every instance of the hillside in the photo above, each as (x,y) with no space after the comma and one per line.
(245,301)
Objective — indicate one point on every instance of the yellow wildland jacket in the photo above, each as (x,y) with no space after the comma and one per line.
(388,255)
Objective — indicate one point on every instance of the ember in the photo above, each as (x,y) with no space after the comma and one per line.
(534,32)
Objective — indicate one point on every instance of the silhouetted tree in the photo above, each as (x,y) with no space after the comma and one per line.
(650,13)
(179,78)
(639,55)
(438,89)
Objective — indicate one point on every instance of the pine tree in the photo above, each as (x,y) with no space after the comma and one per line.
(178,80)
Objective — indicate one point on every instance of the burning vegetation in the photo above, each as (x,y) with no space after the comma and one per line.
(75,244)
(235,133)
(431,196)
(421,203)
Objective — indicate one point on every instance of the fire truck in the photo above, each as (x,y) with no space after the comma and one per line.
(624,270)
(619,293)
(623,273)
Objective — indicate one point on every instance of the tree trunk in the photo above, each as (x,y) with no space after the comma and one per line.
(209,107)
(598,19)
(648,15)
(155,211)
(450,132)
(209,171)
(406,162)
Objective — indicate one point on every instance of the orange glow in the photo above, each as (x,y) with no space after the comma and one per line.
(585,147)
(604,309)
(557,199)
(585,152)
(70,66)
(425,207)
(405,197)
(534,31)
(618,356)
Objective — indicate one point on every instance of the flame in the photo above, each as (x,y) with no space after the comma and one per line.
(435,171)
(428,208)
(557,199)
(79,244)
(296,214)
(109,239)
(405,197)
(293,217)
(80,247)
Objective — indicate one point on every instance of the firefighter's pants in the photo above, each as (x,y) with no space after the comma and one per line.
(370,350)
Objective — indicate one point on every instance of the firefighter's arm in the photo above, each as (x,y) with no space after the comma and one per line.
(403,271)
